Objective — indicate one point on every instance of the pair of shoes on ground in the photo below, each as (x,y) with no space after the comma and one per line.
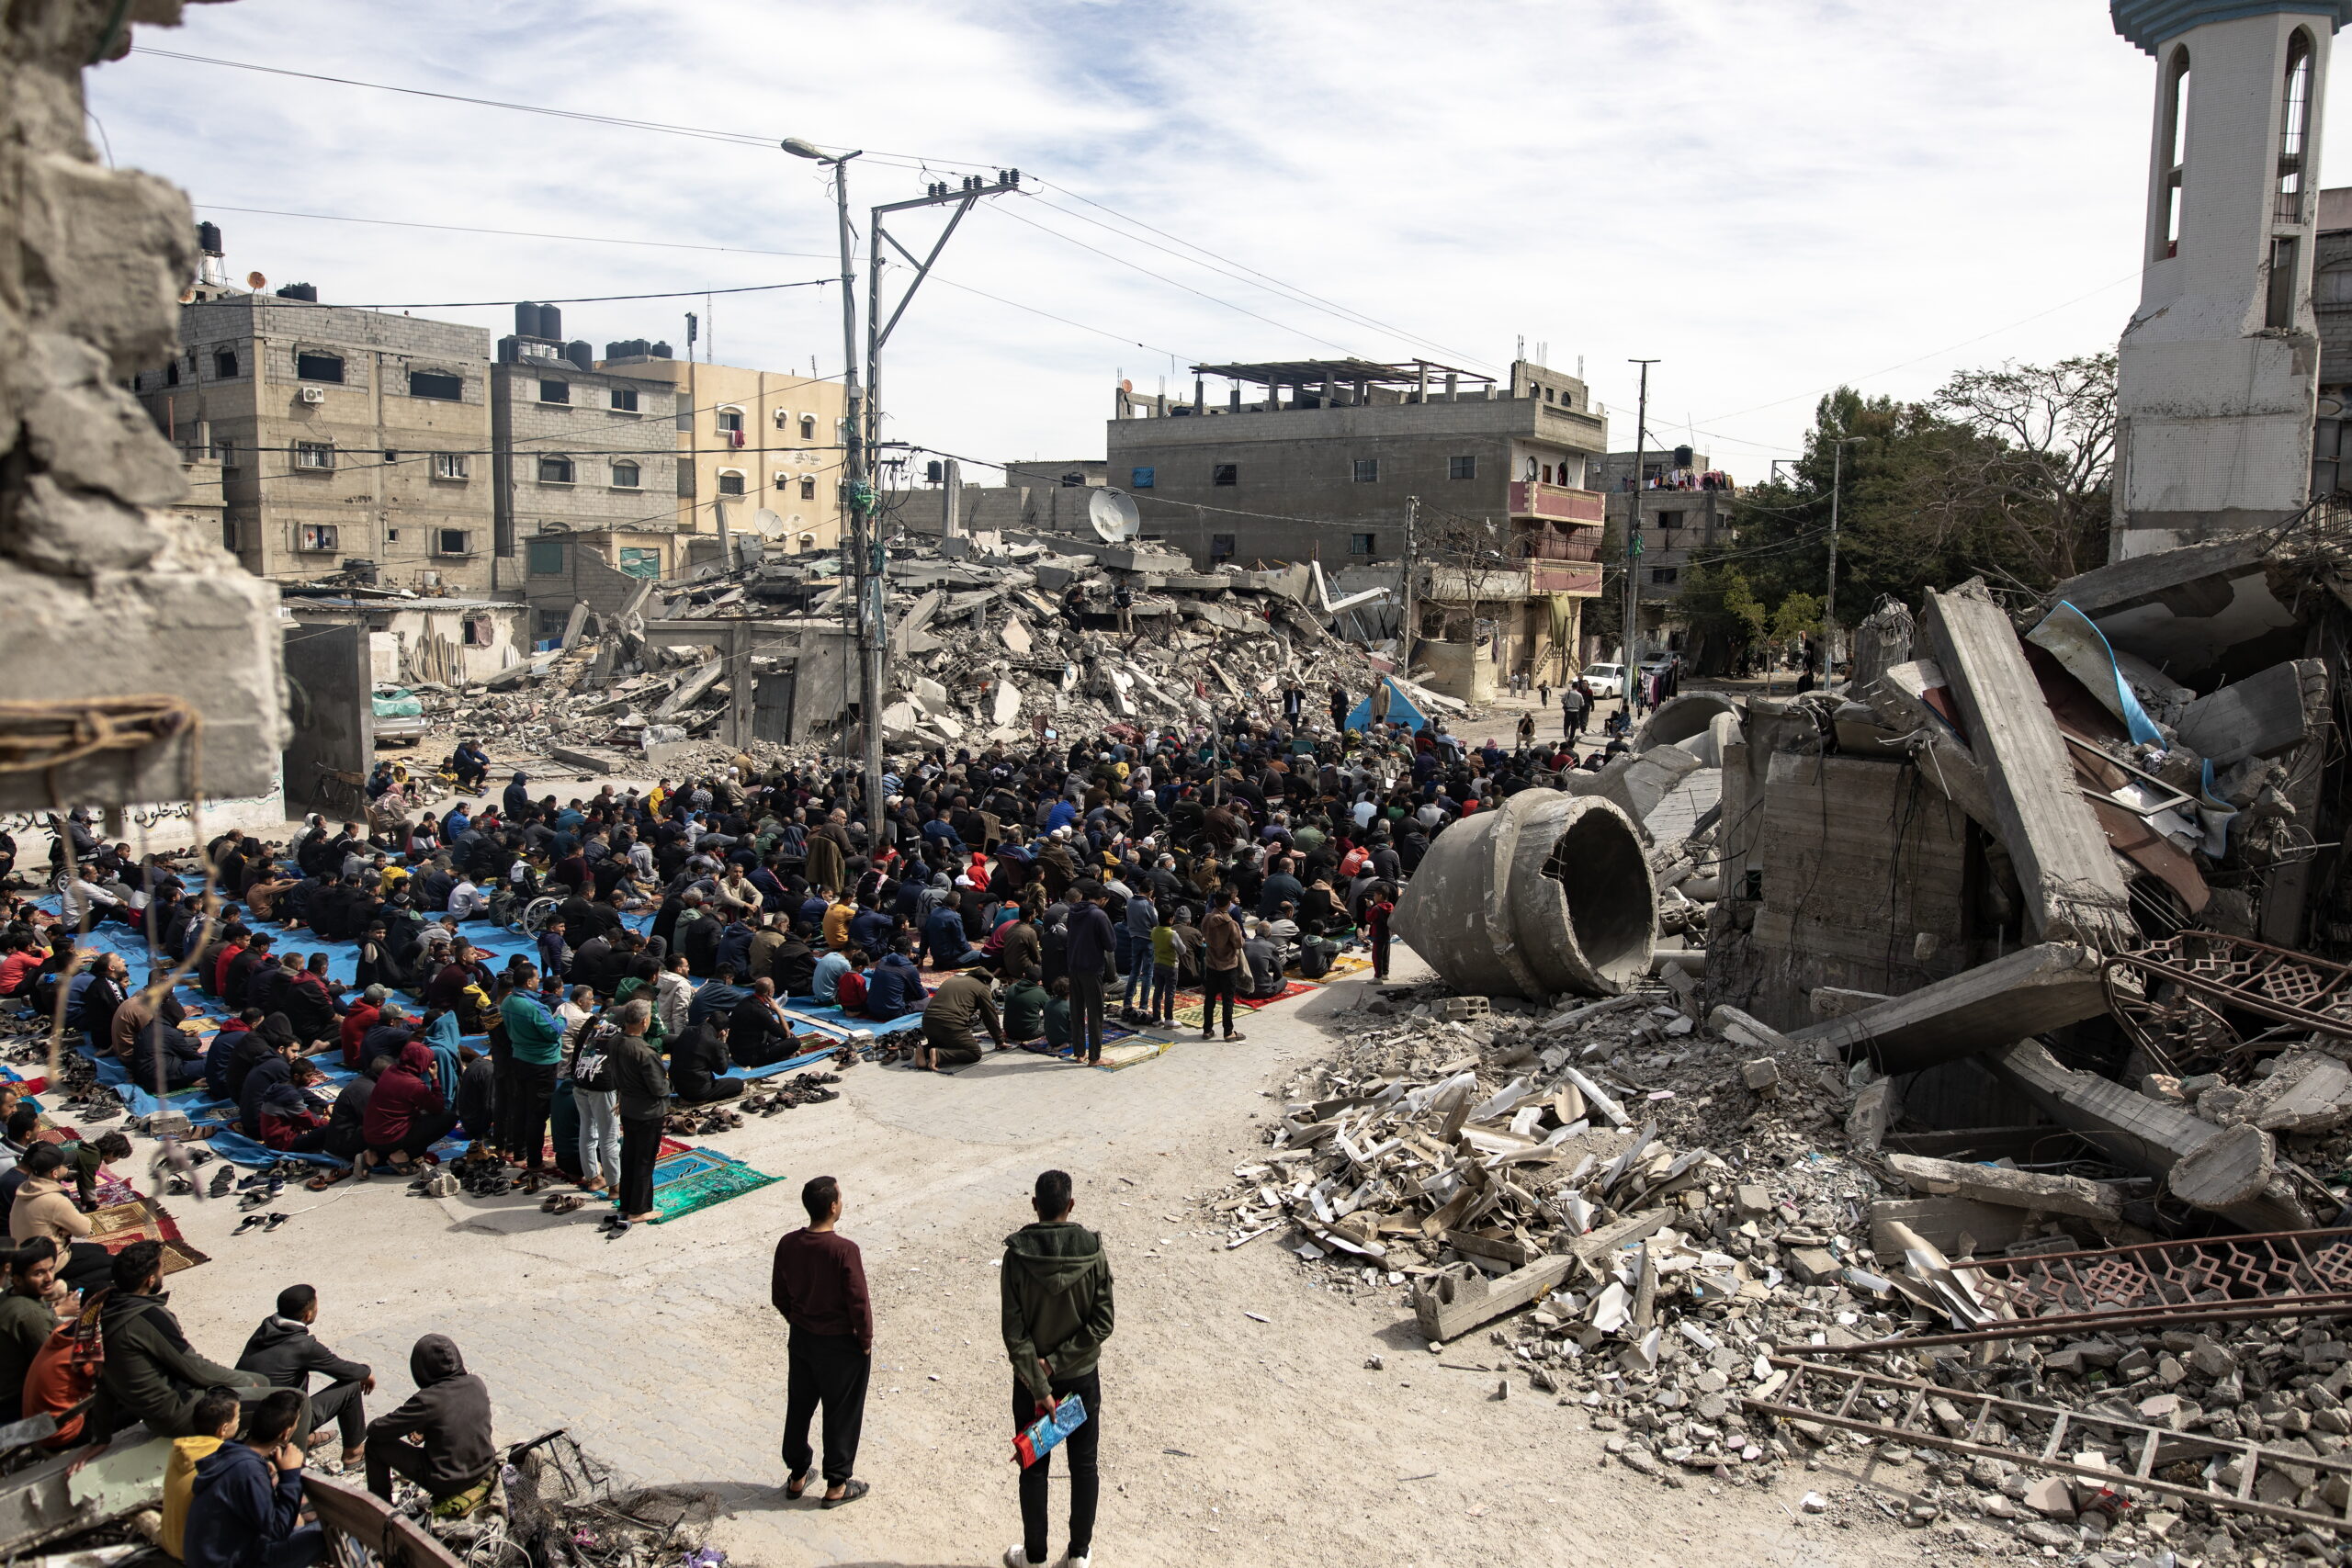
(1017,1556)
(797,1484)
(1230,1039)
(562,1203)
(268,1222)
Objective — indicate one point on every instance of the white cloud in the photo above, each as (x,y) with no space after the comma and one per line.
(1770,196)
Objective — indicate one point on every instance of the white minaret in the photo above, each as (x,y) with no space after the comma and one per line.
(2218,368)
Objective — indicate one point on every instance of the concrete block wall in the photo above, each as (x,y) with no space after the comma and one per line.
(106,592)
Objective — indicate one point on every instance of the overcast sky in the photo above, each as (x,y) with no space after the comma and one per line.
(1769,196)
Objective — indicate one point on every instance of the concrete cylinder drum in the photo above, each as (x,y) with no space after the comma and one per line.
(1550,893)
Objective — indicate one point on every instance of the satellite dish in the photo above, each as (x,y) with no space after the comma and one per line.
(1531,468)
(1125,386)
(256,282)
(188,295)
(767,521)
(1115,517)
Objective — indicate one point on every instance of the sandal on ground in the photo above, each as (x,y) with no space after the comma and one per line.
(796,1483)
(850,1493)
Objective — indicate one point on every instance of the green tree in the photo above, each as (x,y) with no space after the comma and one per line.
(1798,616)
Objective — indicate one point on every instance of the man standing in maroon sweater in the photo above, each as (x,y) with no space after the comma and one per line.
(819,1288)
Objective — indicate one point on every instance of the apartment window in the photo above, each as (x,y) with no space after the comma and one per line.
(437,385)
(1220,546)
(1363,544)
(555,391)
(1664,574)
(452,542)
(2279,309)
(317,455)
(1462,467)
(1225,474)
(475,632)
(1670,521)
(2327,451)
(808,487)
(625,476)
(731,481)
(2294,127)
(224,364)
(1548,397)
(224,451)
(1139,479)
(228,534)
(317,537)
(544,558)
(319,368)
(2176,155)
(448,465)
(172,374)
(1367,470)
(555,471)
(2333,287)
(807,427)
(624,398)
(730,421)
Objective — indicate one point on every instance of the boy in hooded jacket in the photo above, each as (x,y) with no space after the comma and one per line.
(1056,1291)
(449,1416)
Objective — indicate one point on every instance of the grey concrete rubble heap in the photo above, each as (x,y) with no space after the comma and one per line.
(993,637)
(90,559)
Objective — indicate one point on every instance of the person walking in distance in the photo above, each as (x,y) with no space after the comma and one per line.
(1574,705)
(820,1288)
(1058,1313)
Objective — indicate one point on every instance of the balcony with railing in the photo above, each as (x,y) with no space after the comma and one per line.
(1558,504)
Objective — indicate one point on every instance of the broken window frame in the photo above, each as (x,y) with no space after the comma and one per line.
(1225,473)
(2294,127)
(2173,141)
(224,364)
(437,386)
(317,365)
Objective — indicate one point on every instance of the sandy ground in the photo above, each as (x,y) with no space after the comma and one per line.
(1226,1439)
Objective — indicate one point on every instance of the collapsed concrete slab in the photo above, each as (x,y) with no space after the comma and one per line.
(2031,1189)
(2154,1138)
(2267,715)
(2072,890)
(1679,721)
(2026,992)
(1637,780)
(1551,893)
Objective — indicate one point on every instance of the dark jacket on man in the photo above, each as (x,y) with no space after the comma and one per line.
(450,1412)
(819,1285)
(287,1353)
(1055,1293)
(151,1373)
(640,1086)
(242,1509)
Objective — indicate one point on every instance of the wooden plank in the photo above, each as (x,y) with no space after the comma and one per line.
(2013,1188)
(2072,888)
(1945,1222)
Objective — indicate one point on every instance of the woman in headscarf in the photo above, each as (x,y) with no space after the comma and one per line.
(441,1037)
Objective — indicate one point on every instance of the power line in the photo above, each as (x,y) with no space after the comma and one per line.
(589,299)
(508,234)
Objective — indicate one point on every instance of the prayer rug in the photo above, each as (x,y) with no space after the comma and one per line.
(1128,1052)
(1347,963)
(117,1226)
(692,1179)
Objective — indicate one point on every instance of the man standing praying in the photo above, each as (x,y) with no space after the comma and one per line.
(820,1288)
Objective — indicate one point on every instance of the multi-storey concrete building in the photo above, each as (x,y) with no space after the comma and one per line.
(345,436)
(2332,307)
(1685,506)
(586,462)
(748,441)
(1482,482)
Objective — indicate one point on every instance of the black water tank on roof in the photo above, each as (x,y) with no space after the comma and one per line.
(208,238)
(661,351)
(527,320)
(580,354)
(550,323)
(309,291)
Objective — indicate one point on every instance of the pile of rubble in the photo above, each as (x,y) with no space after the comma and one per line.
(993,637)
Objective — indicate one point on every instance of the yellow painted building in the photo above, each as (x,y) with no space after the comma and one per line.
(753,440)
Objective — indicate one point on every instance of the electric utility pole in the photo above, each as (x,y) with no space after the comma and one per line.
(1829,604)
(1633,535)
(1405,585)
(861,433)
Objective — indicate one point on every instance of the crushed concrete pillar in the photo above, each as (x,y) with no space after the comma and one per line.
(2026,992)
(109,595)
(2154,1138)
(1549,893)
(2072,890)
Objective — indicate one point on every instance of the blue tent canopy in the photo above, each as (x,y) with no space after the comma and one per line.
(1400,709)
